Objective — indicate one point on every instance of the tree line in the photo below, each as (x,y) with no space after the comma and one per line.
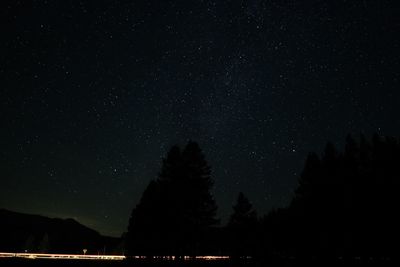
(345,205)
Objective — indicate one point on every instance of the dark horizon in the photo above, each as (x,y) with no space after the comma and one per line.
(329,218)
(94,94)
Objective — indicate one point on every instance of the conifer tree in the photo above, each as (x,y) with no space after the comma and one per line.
(177,209)
(242,228)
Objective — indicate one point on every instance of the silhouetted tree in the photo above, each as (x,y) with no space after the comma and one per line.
(29,244)
(345,203)
(144,224)
(176,210)
(242,228)
(44,245)
(243,213)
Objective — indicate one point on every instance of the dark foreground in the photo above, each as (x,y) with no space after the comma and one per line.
(12,262)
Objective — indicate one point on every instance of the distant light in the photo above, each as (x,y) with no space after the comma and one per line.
(60,256)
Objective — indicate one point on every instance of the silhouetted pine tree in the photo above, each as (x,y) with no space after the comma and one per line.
(346,203)
(243,213)
(176,210)
(145,226)
(29,245)
(198,205)
(44,245)
(242,228)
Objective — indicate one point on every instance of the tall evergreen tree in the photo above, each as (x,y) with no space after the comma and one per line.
(346,203)
(144,226)
(243,213)
(242,228)
(177,209)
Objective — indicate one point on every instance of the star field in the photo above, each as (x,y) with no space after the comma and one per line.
(94,93)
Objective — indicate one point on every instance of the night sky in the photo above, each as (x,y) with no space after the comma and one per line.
(93,94)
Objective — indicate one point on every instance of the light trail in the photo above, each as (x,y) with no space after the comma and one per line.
(60,256)
(102,257)
(207,258)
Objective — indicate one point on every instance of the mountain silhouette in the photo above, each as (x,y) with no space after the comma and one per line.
(21,232)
